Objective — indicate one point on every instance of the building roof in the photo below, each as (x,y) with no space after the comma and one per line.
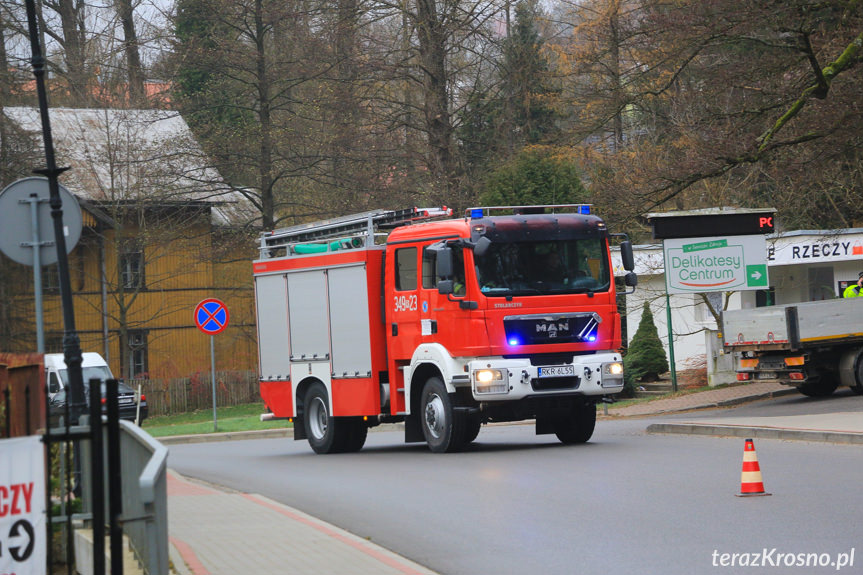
(126,156)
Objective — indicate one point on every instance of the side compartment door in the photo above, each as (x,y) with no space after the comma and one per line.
(274,343)
(309,312)
(274,339)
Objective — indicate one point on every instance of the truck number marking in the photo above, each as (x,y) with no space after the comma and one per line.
(405,303)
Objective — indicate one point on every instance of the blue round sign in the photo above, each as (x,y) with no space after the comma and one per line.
(211,316)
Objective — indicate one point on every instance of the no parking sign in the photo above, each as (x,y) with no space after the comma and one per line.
(211,316)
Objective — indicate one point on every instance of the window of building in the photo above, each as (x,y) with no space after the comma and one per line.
(51,278)
(765,297)
(703,311)
(132,267)
(820,284)
(137,354)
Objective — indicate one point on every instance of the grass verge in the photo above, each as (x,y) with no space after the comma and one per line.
(246,417)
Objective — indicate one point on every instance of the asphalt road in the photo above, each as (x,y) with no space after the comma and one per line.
(627,502)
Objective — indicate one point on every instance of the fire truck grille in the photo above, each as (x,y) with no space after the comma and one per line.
(548,383)
(555,328)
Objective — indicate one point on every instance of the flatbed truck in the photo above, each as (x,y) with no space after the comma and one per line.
(814,346)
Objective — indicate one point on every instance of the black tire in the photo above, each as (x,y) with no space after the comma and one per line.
(821,388)
(443,431)
(356,436)
(326,434)
(578,426)
(471,431)
(857,388)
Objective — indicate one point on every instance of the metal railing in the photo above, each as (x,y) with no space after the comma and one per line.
(145,496)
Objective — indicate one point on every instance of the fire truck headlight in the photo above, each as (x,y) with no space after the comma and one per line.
(612,369)
(486,376)
(491,380)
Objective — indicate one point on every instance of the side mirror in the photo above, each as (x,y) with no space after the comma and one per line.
(481,246)
(445,287)
(627,256)
(444,263)
(631,279)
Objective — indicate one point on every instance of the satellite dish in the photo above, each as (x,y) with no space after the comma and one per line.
(16,221)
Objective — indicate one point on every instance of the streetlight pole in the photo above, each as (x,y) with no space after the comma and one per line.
(71,342)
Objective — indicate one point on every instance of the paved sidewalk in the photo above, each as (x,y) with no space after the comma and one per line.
(262,536)
(217,532)
(720,397)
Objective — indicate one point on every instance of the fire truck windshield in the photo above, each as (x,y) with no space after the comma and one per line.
(544,268)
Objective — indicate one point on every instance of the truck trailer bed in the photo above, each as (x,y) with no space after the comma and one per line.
(793,326)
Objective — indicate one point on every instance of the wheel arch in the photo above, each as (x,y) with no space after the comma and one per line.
(419,375)
(300,402)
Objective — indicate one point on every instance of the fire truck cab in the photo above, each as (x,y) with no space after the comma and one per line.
(506,314)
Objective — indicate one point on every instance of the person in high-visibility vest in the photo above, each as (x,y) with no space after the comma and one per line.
(855,290)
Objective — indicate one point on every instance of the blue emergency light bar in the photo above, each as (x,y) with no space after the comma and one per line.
(478,213)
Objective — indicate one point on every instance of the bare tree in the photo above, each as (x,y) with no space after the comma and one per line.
(135,71)
(732,96)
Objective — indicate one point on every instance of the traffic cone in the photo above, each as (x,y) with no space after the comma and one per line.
(751,483)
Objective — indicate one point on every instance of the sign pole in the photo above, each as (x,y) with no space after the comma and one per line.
(37,271)
(213,377)
(211,316)
(670,343)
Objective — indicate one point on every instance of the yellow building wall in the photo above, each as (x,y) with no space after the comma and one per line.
(181,269)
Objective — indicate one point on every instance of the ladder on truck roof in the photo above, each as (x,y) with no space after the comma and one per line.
(364,224)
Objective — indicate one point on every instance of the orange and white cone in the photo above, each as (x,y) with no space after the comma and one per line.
(751,483)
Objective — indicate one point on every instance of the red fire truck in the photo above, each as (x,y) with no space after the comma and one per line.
(506,314)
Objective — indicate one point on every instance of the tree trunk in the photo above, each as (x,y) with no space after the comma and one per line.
(135,72)
(432,49)
(265,161)
(72,21)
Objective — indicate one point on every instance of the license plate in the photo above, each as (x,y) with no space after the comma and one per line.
(556,371)
(767,375)
(123,400)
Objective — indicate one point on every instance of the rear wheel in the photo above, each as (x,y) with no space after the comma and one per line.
(326,434)
(858,386)
(443,430)
(356,434)
(822,388)
(578,426)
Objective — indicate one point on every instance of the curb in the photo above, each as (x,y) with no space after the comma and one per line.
(228,436)
(718,430)
(285,432)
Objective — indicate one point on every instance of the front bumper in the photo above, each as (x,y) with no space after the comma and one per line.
(500,379)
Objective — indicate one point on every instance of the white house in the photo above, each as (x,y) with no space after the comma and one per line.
(803,265)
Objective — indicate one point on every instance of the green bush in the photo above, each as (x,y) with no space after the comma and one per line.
(646,358)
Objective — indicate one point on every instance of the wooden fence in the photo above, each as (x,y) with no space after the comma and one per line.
(182,395)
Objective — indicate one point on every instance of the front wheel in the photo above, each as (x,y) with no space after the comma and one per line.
(443,430)
(578,426)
